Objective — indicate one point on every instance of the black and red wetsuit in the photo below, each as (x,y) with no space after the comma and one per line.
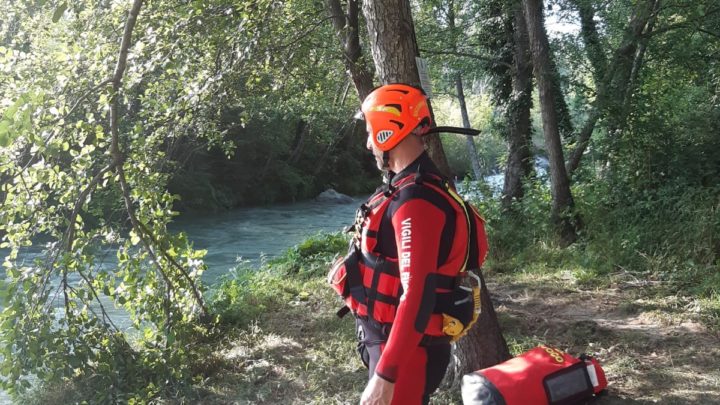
(414,241)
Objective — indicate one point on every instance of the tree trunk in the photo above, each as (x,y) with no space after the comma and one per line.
(483,346)
(614,86)
(299,142)
(591,39)
(394,48)
(346,29)
(583,140)
(472,150)
(519,163)
(562,201)
(650,17)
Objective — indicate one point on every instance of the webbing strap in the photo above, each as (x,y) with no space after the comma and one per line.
(342,311)
(378,264)
(382,330)
(473,252)
(468,221)
(398,185)
(373,290)
(354,277)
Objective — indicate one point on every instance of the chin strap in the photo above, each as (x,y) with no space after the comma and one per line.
(454,130)
(387,174)
(386,160)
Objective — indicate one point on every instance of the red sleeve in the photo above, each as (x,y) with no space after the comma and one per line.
(418,226)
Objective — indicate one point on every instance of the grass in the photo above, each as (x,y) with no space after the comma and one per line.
(295,350)
(279,340)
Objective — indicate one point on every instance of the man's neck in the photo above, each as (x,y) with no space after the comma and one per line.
(398,164)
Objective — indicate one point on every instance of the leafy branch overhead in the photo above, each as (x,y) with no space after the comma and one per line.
(116,116)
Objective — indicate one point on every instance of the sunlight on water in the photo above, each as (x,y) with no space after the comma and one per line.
(249,233)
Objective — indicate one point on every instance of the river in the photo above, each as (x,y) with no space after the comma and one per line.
(247,234)
(252,233)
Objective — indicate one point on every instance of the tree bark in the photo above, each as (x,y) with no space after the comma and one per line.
(301,129)
(562,201)
(614,86)
(346,29)
(483,346)
(472,150)
(394,48)
(519,163)
(591,39)
(583,140)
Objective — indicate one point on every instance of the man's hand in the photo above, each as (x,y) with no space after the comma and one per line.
(377,392)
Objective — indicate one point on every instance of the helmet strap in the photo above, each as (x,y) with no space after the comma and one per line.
(386,160)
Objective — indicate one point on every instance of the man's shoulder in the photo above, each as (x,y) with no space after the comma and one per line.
(434,194)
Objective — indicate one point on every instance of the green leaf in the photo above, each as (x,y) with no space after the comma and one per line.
(59,12)
(5,138)
(134,238)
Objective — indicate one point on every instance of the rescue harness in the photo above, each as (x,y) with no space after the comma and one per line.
(369,282)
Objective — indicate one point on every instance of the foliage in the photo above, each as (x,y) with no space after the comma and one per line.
(668,234)
(312,256)
(234,103)
(70,183)
(490,147)
(284,111)
(93,196)
(247,292)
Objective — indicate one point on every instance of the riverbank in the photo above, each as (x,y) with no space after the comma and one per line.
(655,345)
(279,340)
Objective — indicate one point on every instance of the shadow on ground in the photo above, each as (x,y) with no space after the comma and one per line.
(653,351)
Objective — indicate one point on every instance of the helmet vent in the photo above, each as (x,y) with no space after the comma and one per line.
(384,135)
(398,123)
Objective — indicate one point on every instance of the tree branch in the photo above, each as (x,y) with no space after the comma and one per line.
(347,31)
(105,317)
(118,157)
(681,25)
(309,31)
(704,31)
(70,233)
(583,140)
(469,55)
(83,97)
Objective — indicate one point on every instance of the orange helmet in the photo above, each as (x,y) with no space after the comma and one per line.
(392,112)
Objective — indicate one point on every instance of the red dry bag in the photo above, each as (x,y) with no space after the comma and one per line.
(541,376)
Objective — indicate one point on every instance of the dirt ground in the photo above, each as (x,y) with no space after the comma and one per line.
(652,345)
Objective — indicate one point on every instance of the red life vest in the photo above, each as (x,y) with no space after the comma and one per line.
(369,282)
(541,376)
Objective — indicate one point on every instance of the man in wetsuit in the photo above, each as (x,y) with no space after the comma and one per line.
(413,238)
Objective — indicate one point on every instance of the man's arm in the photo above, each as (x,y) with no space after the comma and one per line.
(418,225)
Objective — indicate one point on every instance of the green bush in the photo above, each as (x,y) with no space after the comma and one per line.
(670,232)
(246,293)
(312,256)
